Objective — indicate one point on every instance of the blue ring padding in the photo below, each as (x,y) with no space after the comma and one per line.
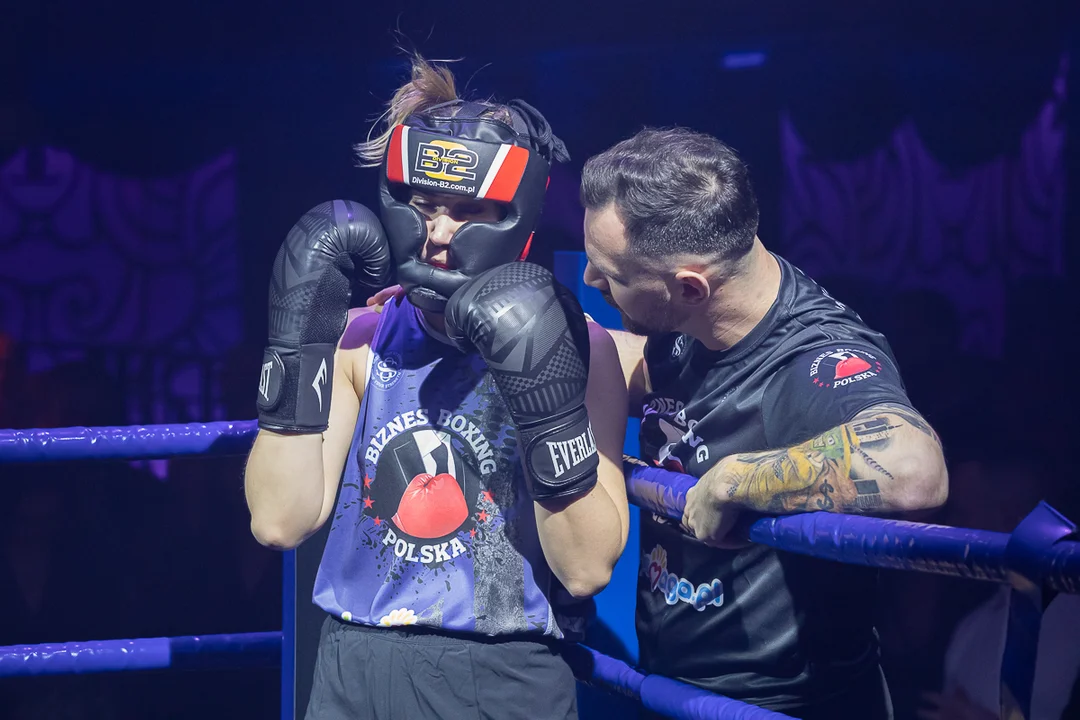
(663,695)
(853,539)
(656,490)
(129,442)
(897,544)
(179,653)
(844,538)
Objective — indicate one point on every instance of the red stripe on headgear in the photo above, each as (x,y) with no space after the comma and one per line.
(394,170)
(525,251)
(506,182)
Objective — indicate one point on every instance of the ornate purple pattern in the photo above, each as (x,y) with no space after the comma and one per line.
(143,272)
(899,219)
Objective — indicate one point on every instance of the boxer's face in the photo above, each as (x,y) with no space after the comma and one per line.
(638,291)
(445,214)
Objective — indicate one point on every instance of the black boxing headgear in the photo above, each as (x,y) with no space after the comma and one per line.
(463,153)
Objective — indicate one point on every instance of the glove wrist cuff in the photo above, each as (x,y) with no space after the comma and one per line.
(294,387)
(561,459)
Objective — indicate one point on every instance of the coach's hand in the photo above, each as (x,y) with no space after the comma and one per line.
(376,301)
(709,515)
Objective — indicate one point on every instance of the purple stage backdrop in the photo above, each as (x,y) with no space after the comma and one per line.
(141,274)
(898,220)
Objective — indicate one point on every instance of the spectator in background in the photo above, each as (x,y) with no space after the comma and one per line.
(996,497)
(1020,464)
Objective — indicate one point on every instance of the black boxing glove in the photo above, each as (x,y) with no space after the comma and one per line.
(332,246)
(532,333)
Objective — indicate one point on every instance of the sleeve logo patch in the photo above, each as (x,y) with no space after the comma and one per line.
(838,367)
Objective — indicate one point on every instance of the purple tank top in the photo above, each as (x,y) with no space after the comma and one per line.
(433,526)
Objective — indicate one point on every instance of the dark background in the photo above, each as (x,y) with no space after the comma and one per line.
(920,161)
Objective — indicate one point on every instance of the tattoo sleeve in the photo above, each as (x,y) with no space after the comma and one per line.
(842,470)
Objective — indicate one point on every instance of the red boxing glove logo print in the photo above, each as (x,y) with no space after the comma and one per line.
(433,504)
(425,491)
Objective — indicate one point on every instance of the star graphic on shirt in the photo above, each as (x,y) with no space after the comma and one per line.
(368,502)
(472,533)
(483,516)
(488,497)
(378,521)
(367,481)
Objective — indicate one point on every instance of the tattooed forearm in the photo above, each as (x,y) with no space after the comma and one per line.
(804,477)
(841,469)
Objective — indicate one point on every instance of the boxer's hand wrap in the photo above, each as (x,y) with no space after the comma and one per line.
(330,247)
(532,333)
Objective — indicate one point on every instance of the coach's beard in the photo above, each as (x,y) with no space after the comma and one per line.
(659,322)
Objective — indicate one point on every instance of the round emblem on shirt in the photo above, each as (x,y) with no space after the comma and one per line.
(839,367)
(386,371)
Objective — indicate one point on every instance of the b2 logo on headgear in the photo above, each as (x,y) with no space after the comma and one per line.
(446,160)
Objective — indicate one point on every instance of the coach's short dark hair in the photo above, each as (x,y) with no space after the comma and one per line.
(676,191)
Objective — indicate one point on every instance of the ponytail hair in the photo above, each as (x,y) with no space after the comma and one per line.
(429,85)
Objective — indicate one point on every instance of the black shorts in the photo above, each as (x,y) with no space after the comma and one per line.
(394,673)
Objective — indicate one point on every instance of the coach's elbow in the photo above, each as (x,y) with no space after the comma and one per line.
(936,487)
(925,481)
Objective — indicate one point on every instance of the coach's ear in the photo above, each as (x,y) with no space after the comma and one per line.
(692,287)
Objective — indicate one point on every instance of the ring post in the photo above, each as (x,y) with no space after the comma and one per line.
(1030,544)
(288,635)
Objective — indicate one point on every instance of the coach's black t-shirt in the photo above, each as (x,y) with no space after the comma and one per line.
(777,629)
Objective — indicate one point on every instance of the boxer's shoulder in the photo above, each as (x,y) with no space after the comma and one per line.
(599,335)
(603,352)
(359,329)
(355,344)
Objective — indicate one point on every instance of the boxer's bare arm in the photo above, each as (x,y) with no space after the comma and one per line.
(632,359)
(583,538)
(291,480)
